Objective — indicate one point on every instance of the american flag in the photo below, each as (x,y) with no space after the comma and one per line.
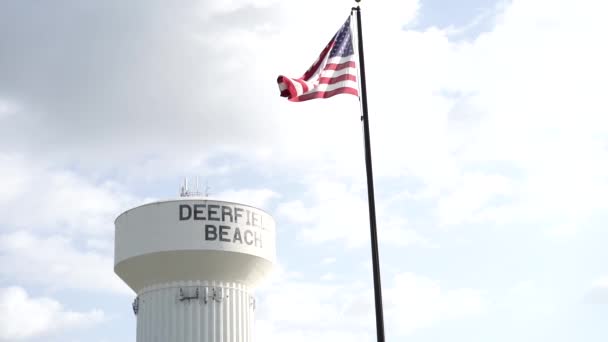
(334,72)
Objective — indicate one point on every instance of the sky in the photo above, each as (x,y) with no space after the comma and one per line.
(489,133)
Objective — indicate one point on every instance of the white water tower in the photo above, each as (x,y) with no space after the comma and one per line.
(193,263)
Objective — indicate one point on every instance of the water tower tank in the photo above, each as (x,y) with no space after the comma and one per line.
(193,263)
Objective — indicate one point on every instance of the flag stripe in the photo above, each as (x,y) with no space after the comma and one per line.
(322,58)
(334,72)
(305,86)
(340,60)
(330,78)
(341,66)
(324,84)
(336,79)
(333,64)
(326,94)
(337,85)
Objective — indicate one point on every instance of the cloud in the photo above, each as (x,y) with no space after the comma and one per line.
(118,79)
(165,79)
(7,108)
(55,262)
(417,302)
(328,276)
(293,308)
(471,196)
(296,309)
(259,198)
(529,300)
(339,212)
(601,283)
(598,293)
(459,105)
(328,261)
(506,128)
(24,317)
(269,331)
(97,79)
(44,198)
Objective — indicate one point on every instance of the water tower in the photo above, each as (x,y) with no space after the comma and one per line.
(193,263)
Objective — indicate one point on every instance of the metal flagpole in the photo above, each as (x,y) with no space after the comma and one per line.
(370,185)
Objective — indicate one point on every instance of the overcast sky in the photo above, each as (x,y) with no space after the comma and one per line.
(489,129)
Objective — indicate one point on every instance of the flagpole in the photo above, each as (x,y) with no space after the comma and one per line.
(370,185)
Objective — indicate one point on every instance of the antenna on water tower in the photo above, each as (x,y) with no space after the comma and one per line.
(207,188)
(185,190)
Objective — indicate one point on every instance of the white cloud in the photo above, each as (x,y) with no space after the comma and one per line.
(339,212)
(228,6)
(266,330)
(507,76)
(393,230)
(417,302)
(25,317)
(531,300)
(505,128)
(258,198)
(55,262)
(294,309)
(328,261)
(102,245)
(36,196)
(598,292)
(295,212)
(109,91)
(536,82)
(303,304)
(7,108)
(328,276)
(299,309)
(602,282)
(467,198)
(389,15)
